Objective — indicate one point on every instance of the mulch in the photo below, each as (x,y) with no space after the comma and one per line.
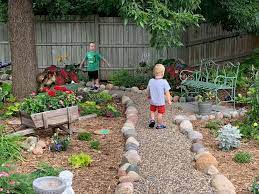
(241,175)
(101,176)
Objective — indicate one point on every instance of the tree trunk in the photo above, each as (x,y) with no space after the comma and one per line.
(23,49)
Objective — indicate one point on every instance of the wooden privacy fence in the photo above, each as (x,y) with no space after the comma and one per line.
(125,46)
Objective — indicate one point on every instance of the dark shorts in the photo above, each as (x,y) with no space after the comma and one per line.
(159,109)
(93,75)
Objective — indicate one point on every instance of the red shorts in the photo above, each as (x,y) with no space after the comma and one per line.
(159,109)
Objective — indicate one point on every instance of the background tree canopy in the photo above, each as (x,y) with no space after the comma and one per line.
(164,19)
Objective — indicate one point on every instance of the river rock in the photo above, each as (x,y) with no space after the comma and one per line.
(132,140)
(211,170)
(124,188)
(222,184)
(122,169)
(132,157)
(219,115)
(195,135)
(109,87)
(205,161)
(186,124)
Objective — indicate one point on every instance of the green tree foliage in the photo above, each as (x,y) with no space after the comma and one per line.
(165,20)
(233,14)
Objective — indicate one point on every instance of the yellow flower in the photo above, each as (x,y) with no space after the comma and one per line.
(255,124)
(240,95)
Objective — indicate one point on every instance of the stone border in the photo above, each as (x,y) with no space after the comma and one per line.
(129,170)
(204,160)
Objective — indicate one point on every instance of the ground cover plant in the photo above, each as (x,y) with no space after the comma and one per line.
(242,157)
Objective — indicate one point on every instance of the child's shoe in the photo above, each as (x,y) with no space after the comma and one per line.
(152,124)
(160,127)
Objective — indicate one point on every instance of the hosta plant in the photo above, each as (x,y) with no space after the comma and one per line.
(229,137)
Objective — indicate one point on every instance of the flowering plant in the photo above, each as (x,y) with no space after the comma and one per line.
(59,144)
(50,99)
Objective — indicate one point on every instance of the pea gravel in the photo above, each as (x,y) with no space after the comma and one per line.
(167,162)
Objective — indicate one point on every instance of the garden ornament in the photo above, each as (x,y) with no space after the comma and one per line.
(67,177)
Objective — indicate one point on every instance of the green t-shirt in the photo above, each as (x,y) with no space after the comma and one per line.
(93,59)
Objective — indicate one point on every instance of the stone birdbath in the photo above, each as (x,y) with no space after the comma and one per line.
(49,185)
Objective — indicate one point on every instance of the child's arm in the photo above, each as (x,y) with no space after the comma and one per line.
(105,61)
(82,63)
(168,97)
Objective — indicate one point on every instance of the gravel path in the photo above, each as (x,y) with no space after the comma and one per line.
(167,163)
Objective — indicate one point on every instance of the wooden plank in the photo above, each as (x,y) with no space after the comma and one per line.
(23,132)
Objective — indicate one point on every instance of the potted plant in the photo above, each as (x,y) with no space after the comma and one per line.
(204,102)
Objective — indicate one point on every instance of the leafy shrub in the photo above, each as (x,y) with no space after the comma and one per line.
(214,126)
(111,111)
(5,91)
(242,157)
(128,80)
(80,160)
(89,107)
(12,110)
(10,148)
(85,136)
(229,137)
(95,145)
(101,97)
(45,169)
(59,144)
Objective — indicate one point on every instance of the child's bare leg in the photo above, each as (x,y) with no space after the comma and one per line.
(92,82)
(152,115)
(160,119)
(97,82)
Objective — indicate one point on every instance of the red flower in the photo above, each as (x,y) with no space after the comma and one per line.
(69,92)
(64,73)
(34,93)
(52,68)
(45,89)
(51,93)
(60,88)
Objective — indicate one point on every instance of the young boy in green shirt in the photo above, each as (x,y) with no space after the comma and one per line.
(93,59)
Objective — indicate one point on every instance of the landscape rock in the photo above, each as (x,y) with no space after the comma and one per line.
(124,188)
(186,124)
(123,169)
(122,88)
(185,131)
(128,89)
(131,146)
(205,117)
(109,87)
(132,140)
(198,116)
(205,161)
(132,118)
(192,118)
(116,96)
(42,144)
(201,150)
(219,115)
(234,114)
(130,133)
(131,110)
(227,115)
(133,168)
(89,84)
(211,170)
(179,118)
(196,147)
(132,157)
(86,90)
(197,156)
(125,99)
(37,150)
(222,184)
(102,87)
(135,89)
(115,87)
(195,135)
(30,143)
(130,103)
(211,117)
(130,177)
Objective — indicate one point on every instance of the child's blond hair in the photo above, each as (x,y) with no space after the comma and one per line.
(159,69)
